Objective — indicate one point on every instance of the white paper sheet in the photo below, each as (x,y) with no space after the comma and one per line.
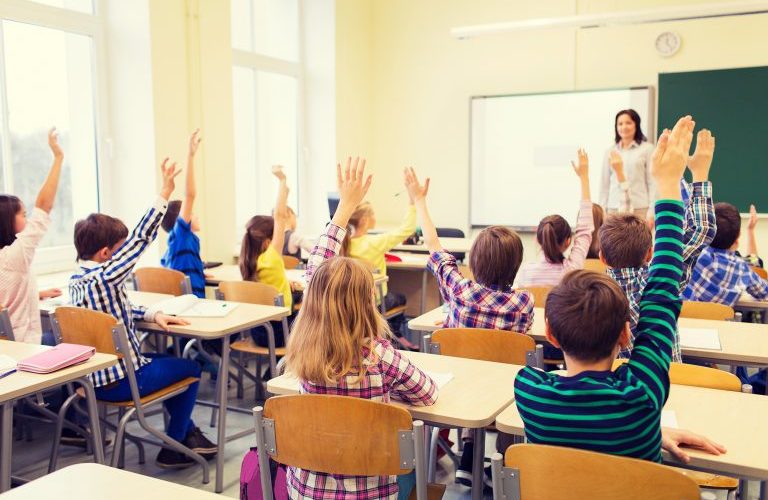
(441,379)
(669,419)
(700,338)
(191,306)
(7,364)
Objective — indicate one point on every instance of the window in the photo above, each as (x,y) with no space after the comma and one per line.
(266,84)
(48,75)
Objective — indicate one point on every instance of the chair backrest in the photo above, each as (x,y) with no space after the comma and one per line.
(291,262)
(449,232)
(484,344)
(6,328)
(529,469)
(77,325)
(250,292)
(595,265)
(539,294)
(698,376)
(706,310)
(338,434)
(760,272)
(161,280)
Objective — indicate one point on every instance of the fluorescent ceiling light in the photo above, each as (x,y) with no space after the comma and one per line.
(660,15)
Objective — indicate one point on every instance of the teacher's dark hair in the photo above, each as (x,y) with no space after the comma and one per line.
(639,136)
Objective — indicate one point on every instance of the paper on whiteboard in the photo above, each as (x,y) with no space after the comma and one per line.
(440,378)
(700,338)
(669,419)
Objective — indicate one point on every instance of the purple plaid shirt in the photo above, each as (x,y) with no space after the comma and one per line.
(388,374)
(472,305)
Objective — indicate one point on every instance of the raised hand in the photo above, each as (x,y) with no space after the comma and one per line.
(670,156)
(277,171)
(352,184)
(617,165)
(582,167)
(53,143)
(752,218)
(701,160)
(194,142)
(169,178)
(416,191)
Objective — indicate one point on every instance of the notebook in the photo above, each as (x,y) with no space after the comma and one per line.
(193,307)
(56,358)
(700,338)
(7,364)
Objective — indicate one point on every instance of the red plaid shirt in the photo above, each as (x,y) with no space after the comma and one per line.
(472,305)
(388,374)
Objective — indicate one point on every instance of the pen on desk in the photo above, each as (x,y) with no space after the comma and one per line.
(8,373)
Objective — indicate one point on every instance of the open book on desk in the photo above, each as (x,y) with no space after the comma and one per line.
(192,307)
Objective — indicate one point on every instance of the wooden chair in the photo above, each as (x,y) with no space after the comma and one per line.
(707,310)
(526,471)
(103,332)
(486,345)
(291,262)
(539,293)
(760,272)
(339,435)
(595,265)
(161,280)
(711,378)
(6,328)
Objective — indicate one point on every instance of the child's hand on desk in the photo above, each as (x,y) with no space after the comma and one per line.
(164,320)
(701,160)
(673,439)
(50,293)
(169,178)
(416,191)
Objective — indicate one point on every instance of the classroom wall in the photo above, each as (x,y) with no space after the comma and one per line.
(419,79)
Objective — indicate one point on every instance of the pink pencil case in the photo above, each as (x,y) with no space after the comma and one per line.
(60,356)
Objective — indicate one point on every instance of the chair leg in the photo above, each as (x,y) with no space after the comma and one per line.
(213,408)
(432,455)
(240,361)
(188,349)
(118,456)
(57,432)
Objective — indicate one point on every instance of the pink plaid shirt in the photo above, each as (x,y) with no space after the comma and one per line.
(472,305)
(388,374)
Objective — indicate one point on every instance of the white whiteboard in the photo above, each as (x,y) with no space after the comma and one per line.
(522,146)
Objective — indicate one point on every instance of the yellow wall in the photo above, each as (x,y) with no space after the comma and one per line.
(420,79)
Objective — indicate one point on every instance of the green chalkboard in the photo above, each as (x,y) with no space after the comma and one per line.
(733,104)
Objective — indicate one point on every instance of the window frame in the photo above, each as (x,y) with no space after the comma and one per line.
(60,258)
(259,62)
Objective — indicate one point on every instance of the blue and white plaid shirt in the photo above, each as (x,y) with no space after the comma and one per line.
(101,286)
(700,229)
(722,276)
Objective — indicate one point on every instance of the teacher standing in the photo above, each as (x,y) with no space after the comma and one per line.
(626,184)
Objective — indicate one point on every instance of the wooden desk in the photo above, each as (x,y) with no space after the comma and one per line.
(719,415)
(97,482)
(411,278)
(742,343)
(232,273)
(479,391)
(20,384)
(241,319)
(453,245)
(747,303)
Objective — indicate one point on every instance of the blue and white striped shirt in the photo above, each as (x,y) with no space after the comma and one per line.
(101,286)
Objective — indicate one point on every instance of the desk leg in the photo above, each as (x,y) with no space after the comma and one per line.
(6,439)
(93,420)
(223,393)
(764,490)
(478,464)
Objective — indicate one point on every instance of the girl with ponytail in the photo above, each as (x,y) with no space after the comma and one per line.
(554,236)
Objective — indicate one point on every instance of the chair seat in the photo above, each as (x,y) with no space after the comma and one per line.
(395,311)
(434,492)
(712,481)
(149,397)
(251,348)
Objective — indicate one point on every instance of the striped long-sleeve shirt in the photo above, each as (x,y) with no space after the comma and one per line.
(101,286)
(617,412)
(388,374)
(700,229)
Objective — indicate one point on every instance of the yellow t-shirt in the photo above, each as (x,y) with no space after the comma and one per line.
(270,270)
(372,247)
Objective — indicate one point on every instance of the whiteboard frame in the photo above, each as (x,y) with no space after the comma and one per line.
(650,134)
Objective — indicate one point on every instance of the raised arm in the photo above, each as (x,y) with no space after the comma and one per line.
(585,225)
(751,240)
(47,192)
(281,210)
(191,190)
(418,194)
(125,258)
(352,185)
